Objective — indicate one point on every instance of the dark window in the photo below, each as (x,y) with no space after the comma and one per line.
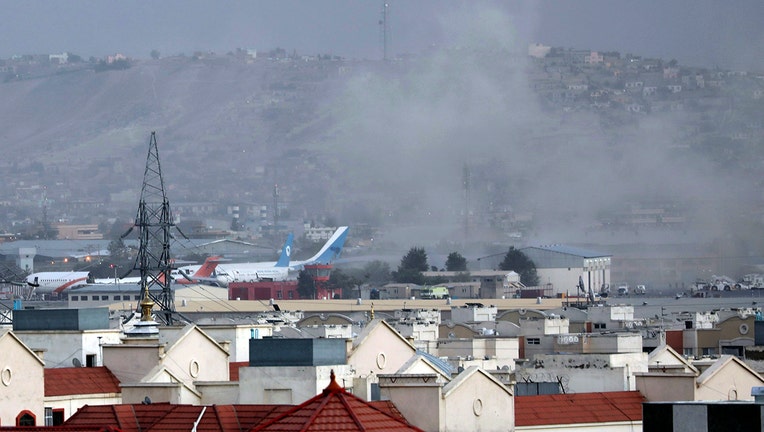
(25,419)
(74,298)
(104,297)
(116,297)
(84,298)
(90,360)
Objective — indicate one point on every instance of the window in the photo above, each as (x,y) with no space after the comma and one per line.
(138,297)
(116,297)
(709,351)
(534,341)
(73,298)
(279,295)
(291,295)
(90,360)
(600,326)
(54,417)
(84,298)
(104,297)
(25,418)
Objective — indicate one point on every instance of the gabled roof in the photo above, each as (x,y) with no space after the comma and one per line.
(603,407)
(466,375)
(333,410)
(663,351)
(436,365)
(9,334)
(371,327)
(722,363)
(72,381)
(175,338)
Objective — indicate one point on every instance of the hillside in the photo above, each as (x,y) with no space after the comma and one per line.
(550,147)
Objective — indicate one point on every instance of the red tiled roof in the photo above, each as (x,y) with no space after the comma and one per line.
(602,407)
(80,381)
(233,369)
(333,410)
(168,417)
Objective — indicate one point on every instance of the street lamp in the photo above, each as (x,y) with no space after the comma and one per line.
(114,266)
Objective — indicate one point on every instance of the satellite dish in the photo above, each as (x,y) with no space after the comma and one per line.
(76,362)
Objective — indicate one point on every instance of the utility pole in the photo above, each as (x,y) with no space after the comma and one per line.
(154,222)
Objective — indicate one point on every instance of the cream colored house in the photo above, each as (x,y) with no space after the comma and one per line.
(673,378)
(473,401)
(377,349)
(22,385)
(165,369)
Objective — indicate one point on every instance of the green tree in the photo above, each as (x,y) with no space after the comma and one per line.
(347,283)
(306,286)
(456,262)
(411,267)
(518,262)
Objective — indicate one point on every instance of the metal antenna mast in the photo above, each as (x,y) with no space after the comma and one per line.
(466,177)
(275,208)
(383,29)
(154,222)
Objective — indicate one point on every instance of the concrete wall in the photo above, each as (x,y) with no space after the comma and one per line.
(381,352)
(238,336)
(478,404)
(614,372)
(657,387)
(62,347)
(417,398)
(288,384)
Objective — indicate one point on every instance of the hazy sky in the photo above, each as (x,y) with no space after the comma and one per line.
(695,32)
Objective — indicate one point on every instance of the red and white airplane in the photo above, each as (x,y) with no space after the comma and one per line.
(59,282)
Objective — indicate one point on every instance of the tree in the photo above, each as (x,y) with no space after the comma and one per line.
(306,286)
(517,261)
(339,280)
(456,262)
(411,267)
(154,54)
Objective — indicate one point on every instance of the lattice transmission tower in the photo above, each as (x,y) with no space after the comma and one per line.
(154,222)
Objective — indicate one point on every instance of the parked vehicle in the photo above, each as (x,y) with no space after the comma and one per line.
(623,289)
(640,290)
(438,292)
(753,281)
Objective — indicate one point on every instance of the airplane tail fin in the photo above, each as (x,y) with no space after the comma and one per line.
(286,252)
(331,249)
(207,268)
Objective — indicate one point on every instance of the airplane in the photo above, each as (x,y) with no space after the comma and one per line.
(282,269)
(273,270)
(57,282)
(202,274)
